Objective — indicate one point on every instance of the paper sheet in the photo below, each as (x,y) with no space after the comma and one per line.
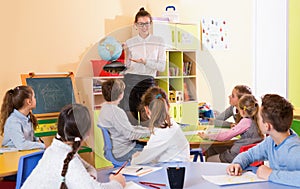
(132,185)
(246,177)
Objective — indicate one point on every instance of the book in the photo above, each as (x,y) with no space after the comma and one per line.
(7,149)
(138,170)
(247,177)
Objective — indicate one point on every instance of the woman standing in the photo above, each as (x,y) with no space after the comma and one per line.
(145,55)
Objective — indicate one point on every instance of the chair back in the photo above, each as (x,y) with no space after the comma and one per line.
(108,148)
(246,148)
(26,164)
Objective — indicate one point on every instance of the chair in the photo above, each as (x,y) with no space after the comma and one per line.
(246,148)
(26,164)
(197,152)
(296,126)
(108,148)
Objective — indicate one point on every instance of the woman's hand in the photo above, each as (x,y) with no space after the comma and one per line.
(140,60)
(119,178)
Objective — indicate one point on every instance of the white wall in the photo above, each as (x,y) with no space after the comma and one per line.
(270,47)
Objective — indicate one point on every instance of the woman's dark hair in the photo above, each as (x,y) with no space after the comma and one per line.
(74,122)
(15,99)
(142,13)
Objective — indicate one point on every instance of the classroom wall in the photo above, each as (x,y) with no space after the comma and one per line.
(294,55)
(53,36)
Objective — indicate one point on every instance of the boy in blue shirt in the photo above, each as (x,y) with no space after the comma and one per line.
(281,148)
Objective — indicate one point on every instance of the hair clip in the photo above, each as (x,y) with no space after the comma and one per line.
(63,179)
(245,108)
(158,96)
(77,139)
(58,136)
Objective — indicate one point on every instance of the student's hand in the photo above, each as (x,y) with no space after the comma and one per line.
(234,170)
(140,60)
(263,172)
(202,135)
(232,125)
(136,154)
(119,178)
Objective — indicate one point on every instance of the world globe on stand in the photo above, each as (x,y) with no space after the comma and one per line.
(109,49)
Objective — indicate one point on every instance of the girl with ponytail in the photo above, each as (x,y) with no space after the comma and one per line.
(167,142)
(17,123)
(61,166)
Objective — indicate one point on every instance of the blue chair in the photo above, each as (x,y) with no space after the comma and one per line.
(108,148)
(26,164)
(197,152)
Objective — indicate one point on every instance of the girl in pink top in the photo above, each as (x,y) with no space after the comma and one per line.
(247,128)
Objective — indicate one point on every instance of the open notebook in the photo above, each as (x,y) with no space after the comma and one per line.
(138,170)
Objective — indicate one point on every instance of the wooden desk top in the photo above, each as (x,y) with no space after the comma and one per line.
(9,162)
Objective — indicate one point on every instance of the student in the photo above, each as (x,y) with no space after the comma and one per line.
(145,55)
(281,148)
(247,128)
(167,142)
(112,117)
(61,166)
(237,92)
(17,122)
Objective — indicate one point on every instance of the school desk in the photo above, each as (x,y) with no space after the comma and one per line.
(196,141)
(9,162)
(193,177)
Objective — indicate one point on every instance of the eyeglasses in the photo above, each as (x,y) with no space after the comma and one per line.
(142,24)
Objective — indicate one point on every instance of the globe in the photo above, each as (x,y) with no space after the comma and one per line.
(109,49)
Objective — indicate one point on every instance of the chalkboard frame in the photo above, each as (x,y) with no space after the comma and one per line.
(70,75)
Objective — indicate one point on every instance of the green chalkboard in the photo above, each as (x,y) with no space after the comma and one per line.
(52,93)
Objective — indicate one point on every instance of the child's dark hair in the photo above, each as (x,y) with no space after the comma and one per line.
(242,89)
(74,122)
(277,111)
(142,12)
(112,88)
(15,99)
(249,104)
(156,99)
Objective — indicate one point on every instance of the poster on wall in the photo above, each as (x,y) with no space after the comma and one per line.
(214,34)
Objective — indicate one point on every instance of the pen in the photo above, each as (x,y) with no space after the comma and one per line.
(124,164)
(139,169)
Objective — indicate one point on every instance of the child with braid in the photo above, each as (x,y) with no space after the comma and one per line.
(17,122)
(61,166)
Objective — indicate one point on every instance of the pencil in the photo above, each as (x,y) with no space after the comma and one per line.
(158,184)
(124,164)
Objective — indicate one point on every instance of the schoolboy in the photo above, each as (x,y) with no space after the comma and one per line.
(112,117)
(281,148)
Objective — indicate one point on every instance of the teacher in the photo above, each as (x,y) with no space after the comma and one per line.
(145,55)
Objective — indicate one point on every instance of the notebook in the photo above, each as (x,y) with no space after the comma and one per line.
(137,170)
(247,177)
